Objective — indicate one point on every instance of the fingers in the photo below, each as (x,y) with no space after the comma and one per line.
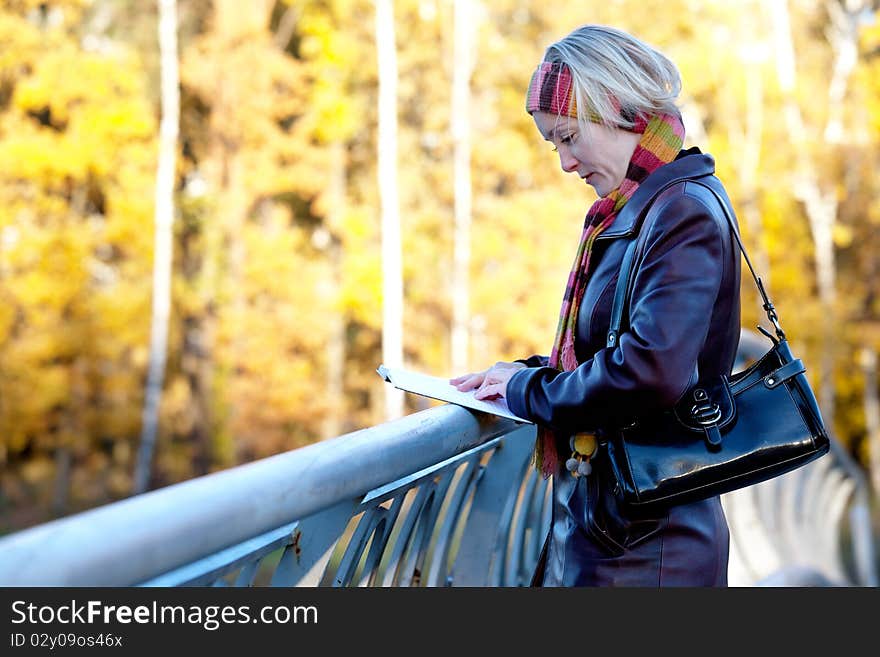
(468,381)
(492,391)
(499,373)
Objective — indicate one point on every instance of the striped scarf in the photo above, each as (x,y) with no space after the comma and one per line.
(662,139)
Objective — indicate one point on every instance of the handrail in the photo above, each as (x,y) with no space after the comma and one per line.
(129,541)
(442,497)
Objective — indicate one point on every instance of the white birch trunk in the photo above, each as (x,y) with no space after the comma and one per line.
(286,26)
(843,36)
(463,67)
(751,161)
(820,204)
(872,414)
(392,260)
(162,257)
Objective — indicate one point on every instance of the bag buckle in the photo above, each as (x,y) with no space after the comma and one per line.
(707,414)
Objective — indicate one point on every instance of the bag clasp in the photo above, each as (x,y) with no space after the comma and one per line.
(707,413)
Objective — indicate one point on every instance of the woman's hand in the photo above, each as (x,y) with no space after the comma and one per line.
(490,383)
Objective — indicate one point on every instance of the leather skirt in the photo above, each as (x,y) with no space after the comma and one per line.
(595,542)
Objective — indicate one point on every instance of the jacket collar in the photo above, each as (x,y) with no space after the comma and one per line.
(690,163)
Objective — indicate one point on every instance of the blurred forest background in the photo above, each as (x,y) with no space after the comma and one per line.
(309,211)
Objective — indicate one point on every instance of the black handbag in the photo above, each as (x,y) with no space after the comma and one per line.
(722,435)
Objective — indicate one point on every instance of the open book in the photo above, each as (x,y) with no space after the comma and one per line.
(437,387)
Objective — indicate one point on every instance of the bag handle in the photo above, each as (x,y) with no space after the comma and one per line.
(622,289)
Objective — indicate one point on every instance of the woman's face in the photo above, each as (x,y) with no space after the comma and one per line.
(600,158)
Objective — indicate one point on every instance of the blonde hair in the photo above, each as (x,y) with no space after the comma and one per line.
(610,66)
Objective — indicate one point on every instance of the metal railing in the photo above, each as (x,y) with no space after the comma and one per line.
(442,497)
(810,527)
(430,499)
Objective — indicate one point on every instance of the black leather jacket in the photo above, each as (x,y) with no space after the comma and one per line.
(684,325)
(684,310)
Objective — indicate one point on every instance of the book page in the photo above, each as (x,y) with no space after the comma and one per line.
(437,387)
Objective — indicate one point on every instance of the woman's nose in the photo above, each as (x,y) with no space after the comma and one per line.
(567,160)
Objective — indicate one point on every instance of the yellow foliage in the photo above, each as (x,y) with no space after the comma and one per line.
(842,235)
(277,238)
(37,470)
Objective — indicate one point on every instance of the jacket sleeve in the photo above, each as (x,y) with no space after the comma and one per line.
(674,290)
(534,361)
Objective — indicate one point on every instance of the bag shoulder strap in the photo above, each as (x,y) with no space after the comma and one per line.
(620,293)
(621,290)
(623,287)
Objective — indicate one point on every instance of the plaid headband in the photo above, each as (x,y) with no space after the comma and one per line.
(551,90)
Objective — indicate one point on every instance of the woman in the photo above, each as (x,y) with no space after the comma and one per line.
(607,103)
